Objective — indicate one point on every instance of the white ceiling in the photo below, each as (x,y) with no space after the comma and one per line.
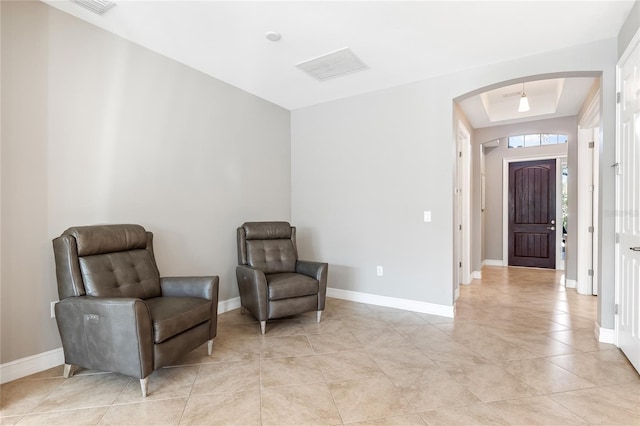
(399,41)
(559,97)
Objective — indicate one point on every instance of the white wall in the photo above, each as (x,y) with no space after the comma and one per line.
(364,169)
(99,130)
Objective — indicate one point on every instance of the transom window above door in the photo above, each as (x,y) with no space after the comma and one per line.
(536,139)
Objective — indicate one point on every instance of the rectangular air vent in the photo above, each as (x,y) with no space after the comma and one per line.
(96,6)
(332,65)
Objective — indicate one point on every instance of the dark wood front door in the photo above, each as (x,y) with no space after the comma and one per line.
(532,214)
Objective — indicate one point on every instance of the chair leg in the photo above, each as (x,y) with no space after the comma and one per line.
(210,347)
(144,386)
(263,326)
(318,315)
(68,371)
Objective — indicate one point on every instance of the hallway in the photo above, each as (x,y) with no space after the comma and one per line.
(521,351)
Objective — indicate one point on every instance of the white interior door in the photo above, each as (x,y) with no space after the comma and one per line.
(628,206)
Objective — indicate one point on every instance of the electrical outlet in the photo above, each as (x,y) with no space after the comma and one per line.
(427,216)
(379,271)
(53,309)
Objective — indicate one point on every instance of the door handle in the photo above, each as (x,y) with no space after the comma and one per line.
(551,228)
(634,248)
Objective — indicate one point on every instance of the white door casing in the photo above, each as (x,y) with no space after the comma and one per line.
(463,143)
(505,203)
(627,270)
(587,194)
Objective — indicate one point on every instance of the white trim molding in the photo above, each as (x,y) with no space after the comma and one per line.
(605,335)
(570,283)
(23,367)
(493,262)
(392,302)
(26,366)
(228,305)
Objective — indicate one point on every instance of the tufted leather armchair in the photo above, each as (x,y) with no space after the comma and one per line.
(272,282)
(116,313)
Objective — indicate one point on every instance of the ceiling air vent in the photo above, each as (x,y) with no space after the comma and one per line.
(332,65)
(96,6)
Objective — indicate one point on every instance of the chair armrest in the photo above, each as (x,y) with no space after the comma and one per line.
(202,287)
(252,285)
(107,334)
(315,270)
(319,271)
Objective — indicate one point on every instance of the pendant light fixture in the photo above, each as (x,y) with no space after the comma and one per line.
(524,102)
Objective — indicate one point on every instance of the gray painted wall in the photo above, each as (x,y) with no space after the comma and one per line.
(96,129)
(494,173)
(364,169)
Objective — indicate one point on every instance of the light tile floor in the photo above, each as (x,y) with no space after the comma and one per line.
(520,351)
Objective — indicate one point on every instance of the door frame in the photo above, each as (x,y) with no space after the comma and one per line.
(633,44)
(587,198)
(463,178)
(505,203)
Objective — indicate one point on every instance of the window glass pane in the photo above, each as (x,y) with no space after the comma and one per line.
(532,140)
(563,138)
(548,139)
(516,141)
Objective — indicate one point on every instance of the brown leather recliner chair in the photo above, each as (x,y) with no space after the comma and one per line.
(115,312)
(272,282)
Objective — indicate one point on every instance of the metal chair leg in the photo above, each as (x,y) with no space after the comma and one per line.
(263,326)
(68,371)
(144,386)
(318,315)
(210,347)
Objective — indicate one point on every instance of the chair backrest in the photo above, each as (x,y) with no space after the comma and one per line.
(268,246)
(106,261)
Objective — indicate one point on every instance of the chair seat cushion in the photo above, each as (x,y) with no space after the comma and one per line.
(173,315)
(290,284)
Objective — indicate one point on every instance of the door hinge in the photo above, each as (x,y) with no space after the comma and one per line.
(618,97)
(460,154)
(615,309)
(590,229)
(460,227)
(590,188)
(592,144)
(590,272)
(460,264)
(617,238)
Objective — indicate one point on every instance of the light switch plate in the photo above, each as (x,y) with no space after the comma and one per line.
(427,216)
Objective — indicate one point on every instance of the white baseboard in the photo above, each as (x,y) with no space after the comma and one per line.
(457,293)
(392,302)
(228,305)
(493,262)
(23,367)
(477,275)
(571,283)
(605,335)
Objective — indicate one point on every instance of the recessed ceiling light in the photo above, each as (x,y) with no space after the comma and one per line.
(96,6)
(273,36)
(334,64)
